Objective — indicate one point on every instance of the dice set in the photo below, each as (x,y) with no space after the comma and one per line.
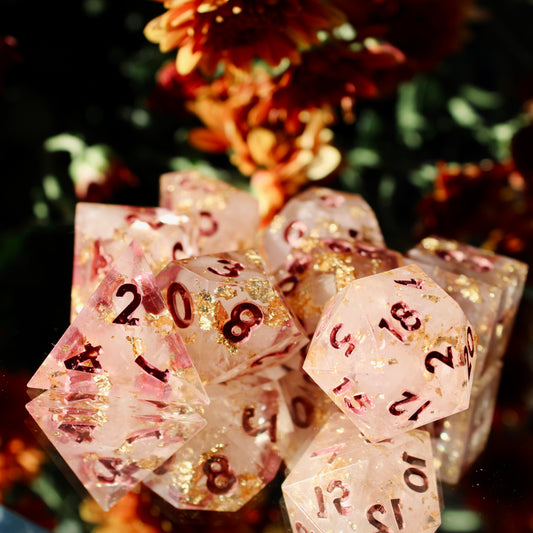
(205,352)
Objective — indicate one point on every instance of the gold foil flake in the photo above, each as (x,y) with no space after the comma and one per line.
(206,309)
(276,224)
(163,322)
(472,293)
(232,348)
(276,315)
(226,291)
(149,463)
(137,345)
(260,289)
(103,383)
(431,298)
(303,306)
(254,256)
(191,339)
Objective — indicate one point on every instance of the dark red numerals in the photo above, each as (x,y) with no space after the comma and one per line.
(147,218)
(295,232)
(358,403)
(475,262)
(79,431)
(302,411)
(86,361)
(111,470)
(469,350)
(185,319)
(220,479)
(300,528)
(414,478)
(208,224)
(231,268)
(177,250)
(340,502)
(340,343)
(415,283)
(408,398)
(269,426)
(339,246)
(408,318)
(124,317)
(161,375)
(244,318)
(379,508)
(446,359)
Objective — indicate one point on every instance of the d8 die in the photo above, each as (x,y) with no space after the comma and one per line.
(227,217)
(318,213)
(501,272)
(231,316)
(234,456)
(103,232)
(394,352)
(310,277)
(343,483)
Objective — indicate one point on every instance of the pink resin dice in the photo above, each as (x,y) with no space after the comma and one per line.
(103,232)
(394,351)
(227,218)
(232,318)
(317,213)
(343,483)
(235,456)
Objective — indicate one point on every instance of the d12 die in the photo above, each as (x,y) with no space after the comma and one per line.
(505,273)
(104,231)
(124,342)
(480,302)
(318,212)
(227,217)
(458,440)
(232,318)
(310,277)
(394,352)
(112,443)
(234,456)
(343,483)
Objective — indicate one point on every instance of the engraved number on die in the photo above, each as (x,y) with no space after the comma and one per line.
(244,318)
(358,403)
(338,344)
(125,316)
(231,269)
(408,398)
(408,318)
(340,502)
(220,479)
(182,320)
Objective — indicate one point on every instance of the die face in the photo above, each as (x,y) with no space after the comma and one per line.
(343,482)
(234,456)
(318,213)
(112,443)
(458,440)
(394,352)
(216,207)
(124,342)
(104,231)
(499,271)
(480,302)
(230,314)
(310,277)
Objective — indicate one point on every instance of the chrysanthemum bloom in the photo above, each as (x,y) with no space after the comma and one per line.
(235,32)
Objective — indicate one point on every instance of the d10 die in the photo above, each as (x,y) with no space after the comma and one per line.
(232,318)
(112,443)
(458,440)
(227,217)
(498,271)
(104,231)
(343,483)
(318,212)
(310,277)
(480,302)
(234,456)
(124,343)
(394,352)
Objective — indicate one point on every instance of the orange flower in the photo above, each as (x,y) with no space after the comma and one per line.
(207,32)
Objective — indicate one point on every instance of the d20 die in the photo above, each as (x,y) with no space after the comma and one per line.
(104,231)
(310,278)
(232,318)
(112,443)
(227,217)
(394,352)
(124,342)
(458,440)
(234,456)
(480,302)
(499,271)
(343,483)
(318,212)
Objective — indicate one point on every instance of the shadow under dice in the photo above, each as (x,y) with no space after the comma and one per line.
(230,315)
(316,213)
(112,443)
(234,456)
(394,352)
(104,231)
(343,483)
(227,218)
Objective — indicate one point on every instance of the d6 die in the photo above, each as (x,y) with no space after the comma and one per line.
(343,483)
(394,352)
(231,316)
